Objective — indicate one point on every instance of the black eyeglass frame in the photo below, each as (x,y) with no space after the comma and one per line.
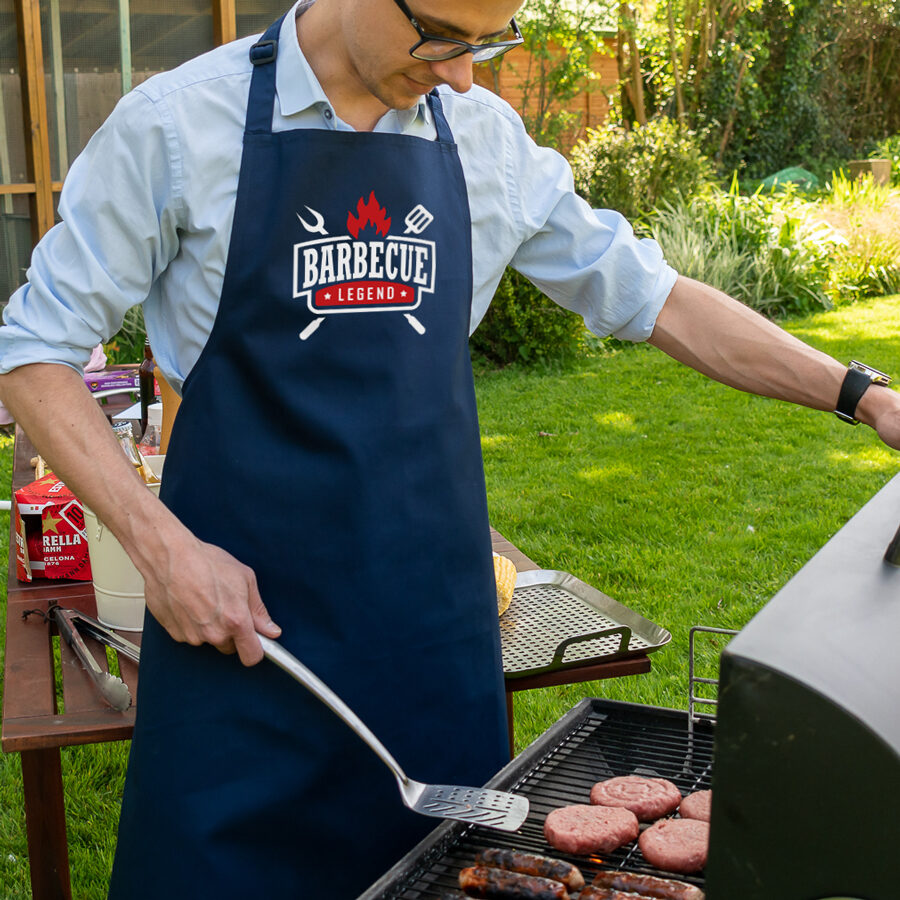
(492,48)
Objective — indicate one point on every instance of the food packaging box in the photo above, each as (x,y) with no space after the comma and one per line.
(122,379)
(51,541)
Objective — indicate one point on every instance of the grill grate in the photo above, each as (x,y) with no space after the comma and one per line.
(597,740)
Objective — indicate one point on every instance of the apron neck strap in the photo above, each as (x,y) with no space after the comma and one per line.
(261,101)
(444,135)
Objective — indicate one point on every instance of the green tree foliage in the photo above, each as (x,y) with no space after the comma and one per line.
(561,38)
(771,83)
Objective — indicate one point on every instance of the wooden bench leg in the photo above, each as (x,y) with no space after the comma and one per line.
(45,823)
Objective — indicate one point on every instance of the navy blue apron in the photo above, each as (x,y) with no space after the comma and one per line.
(328,439)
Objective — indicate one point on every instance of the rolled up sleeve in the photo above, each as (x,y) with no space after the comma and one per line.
(119,213)
(587,260)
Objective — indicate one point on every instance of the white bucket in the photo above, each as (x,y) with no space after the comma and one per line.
(118,586)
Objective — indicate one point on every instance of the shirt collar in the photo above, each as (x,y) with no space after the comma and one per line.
(297,87)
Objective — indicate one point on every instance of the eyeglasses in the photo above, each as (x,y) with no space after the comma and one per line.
(433,47)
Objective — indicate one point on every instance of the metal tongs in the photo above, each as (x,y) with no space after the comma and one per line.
(72,624)
(480,806)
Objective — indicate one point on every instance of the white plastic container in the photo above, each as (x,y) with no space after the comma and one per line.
(118,586)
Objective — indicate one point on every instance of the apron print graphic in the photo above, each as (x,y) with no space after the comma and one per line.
(346,274)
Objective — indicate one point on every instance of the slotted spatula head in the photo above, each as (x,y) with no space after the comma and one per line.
(479,806)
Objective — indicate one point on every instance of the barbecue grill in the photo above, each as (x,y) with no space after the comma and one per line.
(807,746)
(597,739)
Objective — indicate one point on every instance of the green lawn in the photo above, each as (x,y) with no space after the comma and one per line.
(684,500)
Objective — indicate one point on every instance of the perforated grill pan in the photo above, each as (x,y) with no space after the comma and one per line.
(556,621)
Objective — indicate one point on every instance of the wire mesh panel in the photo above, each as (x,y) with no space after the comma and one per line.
(163,40)
(255,16)
(95,53)
(15,218)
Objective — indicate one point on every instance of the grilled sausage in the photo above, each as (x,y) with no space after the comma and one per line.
(532,864)
(498,884)
(648,886)
(601,893)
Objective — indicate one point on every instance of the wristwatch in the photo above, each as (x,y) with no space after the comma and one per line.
(856,382)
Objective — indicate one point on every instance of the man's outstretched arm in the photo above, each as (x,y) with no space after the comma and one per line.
(714,334)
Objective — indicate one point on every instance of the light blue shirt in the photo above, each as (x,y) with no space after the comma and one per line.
(147,210)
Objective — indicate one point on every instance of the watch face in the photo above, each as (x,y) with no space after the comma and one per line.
(876,376)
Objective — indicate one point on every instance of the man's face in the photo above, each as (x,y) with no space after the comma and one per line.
(378,37)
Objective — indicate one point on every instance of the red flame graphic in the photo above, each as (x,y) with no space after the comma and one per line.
(369,213)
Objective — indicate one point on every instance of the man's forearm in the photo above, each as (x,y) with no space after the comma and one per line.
(69,430)
(707,330)
(196,591)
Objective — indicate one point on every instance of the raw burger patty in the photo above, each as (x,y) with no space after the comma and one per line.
(648,798)
(676,845)
(589,829)
(696,806)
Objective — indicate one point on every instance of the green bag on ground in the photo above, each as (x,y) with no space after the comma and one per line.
(792,175)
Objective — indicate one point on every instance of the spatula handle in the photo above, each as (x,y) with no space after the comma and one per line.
(287,661)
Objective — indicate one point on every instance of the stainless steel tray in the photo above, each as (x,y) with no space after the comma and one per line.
(555,621)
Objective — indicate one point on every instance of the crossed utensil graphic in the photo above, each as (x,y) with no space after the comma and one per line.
(416,221)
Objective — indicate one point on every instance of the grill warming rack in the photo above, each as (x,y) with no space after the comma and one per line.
(694,699)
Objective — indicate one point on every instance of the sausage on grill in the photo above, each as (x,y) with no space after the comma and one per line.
(601,893)
(498,884)
(648,886)
(532,864)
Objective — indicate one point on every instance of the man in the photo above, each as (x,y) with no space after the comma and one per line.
(312,234)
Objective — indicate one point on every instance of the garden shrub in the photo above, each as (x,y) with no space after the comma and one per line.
(760,249)
(866,217)
(524,325)
(635,171)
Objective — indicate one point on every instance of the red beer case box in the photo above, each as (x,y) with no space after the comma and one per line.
(51,541)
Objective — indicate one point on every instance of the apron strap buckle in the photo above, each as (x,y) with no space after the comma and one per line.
(263,52)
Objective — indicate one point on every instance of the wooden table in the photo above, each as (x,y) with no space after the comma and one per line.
(36,727)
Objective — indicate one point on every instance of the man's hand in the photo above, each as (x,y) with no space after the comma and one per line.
(201,594)
(196,591)
(879,407)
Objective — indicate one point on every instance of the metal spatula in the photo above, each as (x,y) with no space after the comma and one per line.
(493,809)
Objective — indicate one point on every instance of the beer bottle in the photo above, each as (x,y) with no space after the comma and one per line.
(125,437)
(145,381)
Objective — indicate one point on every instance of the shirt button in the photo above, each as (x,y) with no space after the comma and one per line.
(328,113)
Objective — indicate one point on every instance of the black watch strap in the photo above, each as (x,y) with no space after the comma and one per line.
(857,381)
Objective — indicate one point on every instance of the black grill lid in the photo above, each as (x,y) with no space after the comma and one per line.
(835,626)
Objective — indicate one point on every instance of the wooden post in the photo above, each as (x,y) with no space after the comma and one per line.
(125,44)
(59,87)
(224,21)
(34,103)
